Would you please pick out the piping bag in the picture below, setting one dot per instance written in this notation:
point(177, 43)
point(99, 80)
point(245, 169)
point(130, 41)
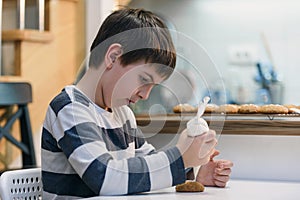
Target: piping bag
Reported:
point(198, 126)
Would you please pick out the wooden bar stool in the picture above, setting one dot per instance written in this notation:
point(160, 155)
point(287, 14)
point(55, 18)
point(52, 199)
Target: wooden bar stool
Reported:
point(17, 94)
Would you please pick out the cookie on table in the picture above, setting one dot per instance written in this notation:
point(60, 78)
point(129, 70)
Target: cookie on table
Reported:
point(274, 109)
point(184, 108)
point(228, 108)
point(190, 186)
point(248, 109)
point(211, 108)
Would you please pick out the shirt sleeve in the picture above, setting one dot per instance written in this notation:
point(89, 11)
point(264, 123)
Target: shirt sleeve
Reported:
point(142, 147)
point(141, 174)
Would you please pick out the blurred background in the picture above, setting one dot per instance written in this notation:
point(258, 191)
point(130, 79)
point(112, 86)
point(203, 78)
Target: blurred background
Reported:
point(253, 43)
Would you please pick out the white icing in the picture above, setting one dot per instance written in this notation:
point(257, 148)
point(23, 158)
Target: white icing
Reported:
point(197, 127)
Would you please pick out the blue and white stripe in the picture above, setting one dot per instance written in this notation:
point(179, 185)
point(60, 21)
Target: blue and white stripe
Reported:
point(87, 151)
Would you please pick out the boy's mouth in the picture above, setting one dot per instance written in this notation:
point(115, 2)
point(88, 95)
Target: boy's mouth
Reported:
point(132, 101)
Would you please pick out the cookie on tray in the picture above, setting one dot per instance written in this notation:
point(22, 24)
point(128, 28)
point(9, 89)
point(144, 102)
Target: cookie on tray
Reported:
point(291, 107)
point(228, 108)
point(248, 109)
point(184, 108)
point(211, 108)
point(190, 186)
point(274, 109)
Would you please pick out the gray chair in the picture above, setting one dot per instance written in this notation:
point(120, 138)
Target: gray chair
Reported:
point(20, 184)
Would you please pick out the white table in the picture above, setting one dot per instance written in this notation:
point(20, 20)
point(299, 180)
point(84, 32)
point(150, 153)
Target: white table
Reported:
point(236, 190)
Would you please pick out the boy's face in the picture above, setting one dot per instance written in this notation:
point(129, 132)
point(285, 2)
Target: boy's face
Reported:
point(124, 85)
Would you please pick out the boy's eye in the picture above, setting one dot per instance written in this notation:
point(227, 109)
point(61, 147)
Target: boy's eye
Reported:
point(144, 80)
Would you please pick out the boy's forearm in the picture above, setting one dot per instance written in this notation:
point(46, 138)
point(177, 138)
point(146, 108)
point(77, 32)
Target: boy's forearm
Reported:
point(142, 174)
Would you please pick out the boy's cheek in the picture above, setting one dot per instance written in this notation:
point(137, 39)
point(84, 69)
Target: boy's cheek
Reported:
point(126, 89)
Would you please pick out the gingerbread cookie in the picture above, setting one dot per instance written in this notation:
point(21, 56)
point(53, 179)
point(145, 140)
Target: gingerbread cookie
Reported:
point(248, 109)
point(228, 108)
point(184, 108)
point(274, 109)
point(211, 108)
point(291, 107)
point(190, 186)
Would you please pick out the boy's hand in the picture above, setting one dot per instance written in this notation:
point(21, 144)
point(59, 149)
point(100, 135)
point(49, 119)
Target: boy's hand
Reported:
point(197, 150)
point(215, 172)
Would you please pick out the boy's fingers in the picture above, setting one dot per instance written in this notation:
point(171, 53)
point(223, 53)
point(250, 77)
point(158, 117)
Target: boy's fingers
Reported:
point(207, 149)
point(211, 135)
point(225, 172)
point(221, 178)
point(220, 183)
point(206, 157)
point(224, 164)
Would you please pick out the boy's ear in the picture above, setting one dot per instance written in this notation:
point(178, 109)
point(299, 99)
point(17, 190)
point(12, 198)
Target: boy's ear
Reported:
point(114, 51)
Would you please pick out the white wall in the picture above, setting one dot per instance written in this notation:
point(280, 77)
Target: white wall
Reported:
point(254, 157)
point(96, 12)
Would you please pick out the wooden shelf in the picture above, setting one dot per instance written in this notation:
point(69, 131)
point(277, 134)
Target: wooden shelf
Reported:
point(233, 125)
point(27, 35)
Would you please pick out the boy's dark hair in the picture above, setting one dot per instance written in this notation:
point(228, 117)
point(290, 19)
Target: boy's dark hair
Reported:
point(142, 35)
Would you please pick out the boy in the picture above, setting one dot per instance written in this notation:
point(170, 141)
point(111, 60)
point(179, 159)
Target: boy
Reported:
point(90, 142)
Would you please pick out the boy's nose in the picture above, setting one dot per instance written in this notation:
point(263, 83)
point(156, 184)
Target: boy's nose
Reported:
point(144, 91)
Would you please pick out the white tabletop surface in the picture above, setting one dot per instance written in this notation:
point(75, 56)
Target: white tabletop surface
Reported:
point(235, 190)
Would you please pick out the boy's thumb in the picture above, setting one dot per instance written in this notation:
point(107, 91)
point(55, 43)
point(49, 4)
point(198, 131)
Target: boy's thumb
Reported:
point(216, 153)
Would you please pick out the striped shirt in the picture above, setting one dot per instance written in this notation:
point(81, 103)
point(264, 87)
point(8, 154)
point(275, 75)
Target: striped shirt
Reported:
point(88, 151)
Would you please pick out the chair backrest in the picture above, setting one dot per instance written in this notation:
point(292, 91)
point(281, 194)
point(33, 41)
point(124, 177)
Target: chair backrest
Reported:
point(20, 184)
point(15, 93)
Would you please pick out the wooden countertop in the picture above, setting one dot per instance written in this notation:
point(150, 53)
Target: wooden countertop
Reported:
point(251, 124)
